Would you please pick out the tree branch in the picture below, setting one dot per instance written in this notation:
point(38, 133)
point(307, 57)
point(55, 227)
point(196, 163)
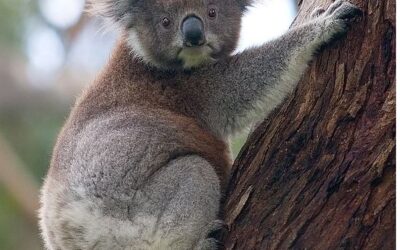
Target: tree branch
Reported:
point(319, 172)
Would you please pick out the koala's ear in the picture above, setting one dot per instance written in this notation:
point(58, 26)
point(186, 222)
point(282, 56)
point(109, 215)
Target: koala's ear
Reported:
point(114, 10)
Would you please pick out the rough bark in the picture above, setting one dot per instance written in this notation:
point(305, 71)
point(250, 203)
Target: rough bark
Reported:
point(319, 173)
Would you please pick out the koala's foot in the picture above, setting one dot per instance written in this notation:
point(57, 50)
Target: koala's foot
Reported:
point(207, 244)
point(336, 19)
point(217, 228)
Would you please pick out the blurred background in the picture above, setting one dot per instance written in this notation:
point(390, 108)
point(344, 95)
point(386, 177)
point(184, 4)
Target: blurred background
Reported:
point(49, 51)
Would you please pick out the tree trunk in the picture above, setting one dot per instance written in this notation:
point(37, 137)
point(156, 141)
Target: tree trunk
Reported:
point(319, 173)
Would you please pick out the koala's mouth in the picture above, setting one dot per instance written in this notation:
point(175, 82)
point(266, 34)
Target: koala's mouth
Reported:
point(192, 57)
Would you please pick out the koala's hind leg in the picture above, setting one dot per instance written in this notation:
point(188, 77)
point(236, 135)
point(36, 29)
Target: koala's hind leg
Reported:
point(191, 191)
point(176, 209)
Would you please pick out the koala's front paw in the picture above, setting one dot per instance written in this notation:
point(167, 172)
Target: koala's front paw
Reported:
point(337, 18)
point(317, 12)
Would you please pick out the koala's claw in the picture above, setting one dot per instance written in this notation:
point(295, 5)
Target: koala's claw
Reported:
point(347, 11)
point(334, 6)
point(343, 10)
point(339, 10)
point(317, 12)
point(337, 19)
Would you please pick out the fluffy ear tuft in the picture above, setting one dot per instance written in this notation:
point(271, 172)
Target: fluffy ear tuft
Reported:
point(114, 10)
point(245, 3)
point(101, 8)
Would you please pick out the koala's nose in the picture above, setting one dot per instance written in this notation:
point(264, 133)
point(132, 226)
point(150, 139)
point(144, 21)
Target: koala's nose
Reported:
point(193, 31)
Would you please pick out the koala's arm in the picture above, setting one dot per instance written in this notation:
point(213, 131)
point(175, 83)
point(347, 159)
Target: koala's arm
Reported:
point(259, 79)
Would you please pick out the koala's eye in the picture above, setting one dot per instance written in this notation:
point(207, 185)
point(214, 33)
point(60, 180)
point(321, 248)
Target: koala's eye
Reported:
point(212, 13)
point(166, 22)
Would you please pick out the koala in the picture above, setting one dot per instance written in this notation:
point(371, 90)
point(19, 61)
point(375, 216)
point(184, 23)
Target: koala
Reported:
point(143, 159)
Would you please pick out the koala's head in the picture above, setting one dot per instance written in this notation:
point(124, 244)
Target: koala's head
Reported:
point(176, 33)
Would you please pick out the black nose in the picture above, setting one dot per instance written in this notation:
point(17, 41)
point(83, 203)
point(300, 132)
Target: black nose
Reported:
point(193, 31)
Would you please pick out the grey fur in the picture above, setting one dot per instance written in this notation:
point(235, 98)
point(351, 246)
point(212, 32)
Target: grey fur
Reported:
point(142, 162)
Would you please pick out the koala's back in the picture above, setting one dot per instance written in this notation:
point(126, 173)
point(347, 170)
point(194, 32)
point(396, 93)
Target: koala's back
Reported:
point(128, 179)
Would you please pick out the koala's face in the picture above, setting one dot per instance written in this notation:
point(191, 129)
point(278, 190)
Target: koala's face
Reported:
point(177, 33)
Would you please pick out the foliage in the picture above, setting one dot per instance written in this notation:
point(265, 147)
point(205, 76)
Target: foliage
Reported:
point(32, 135)
point(12, 16)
